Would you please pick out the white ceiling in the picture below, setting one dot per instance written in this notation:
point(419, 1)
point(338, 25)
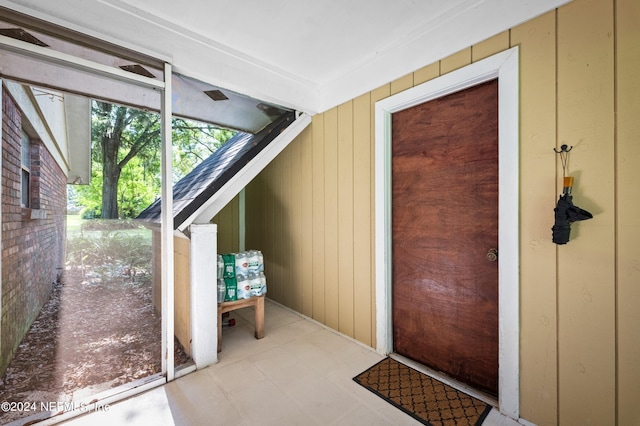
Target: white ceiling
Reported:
point(302, 54)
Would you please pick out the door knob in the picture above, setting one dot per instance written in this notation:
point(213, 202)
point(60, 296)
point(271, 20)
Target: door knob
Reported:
point(492, 255)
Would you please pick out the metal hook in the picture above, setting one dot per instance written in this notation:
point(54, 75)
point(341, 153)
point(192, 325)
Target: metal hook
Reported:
point(563, 148)
point(564, 157)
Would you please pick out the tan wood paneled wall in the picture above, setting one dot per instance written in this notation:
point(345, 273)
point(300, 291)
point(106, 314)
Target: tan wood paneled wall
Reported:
point(182, 287)
point(228, 227)
point(586, 269)
point(627, 201)
point(538, 182)
point(311, 212)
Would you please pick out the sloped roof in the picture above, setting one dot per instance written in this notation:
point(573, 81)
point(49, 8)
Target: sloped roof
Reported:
point(196, 188)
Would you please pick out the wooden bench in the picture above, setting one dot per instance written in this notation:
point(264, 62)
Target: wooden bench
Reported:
point(257, 302)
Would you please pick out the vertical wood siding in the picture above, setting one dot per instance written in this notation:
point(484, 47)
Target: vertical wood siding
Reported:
point(311, 212)
point(627, 202)
point(182, 288)
point(228, 227)
point(538, 181)
point(363, 288)
point(586, 266)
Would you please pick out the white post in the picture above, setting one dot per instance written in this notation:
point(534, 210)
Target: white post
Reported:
point(168, 297)
point(204, 294)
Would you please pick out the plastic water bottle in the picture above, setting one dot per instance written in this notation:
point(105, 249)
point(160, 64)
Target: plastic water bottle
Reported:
point(241, 264)
point(229, 323)
point(263, 284)
point(222, 289)
point(260, 262)
point(253, 261)
point(220, 266)
point(243, 289)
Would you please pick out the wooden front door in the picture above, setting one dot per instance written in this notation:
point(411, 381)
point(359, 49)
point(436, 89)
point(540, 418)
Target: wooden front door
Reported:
point(444, 226)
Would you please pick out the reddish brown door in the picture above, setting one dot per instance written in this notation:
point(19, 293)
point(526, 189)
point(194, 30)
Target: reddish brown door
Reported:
point(444, 223)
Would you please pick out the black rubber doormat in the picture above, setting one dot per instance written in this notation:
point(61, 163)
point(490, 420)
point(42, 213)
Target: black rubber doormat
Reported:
point(426, 399)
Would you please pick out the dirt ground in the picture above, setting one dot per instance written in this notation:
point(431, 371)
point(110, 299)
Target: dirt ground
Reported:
point(92, 335)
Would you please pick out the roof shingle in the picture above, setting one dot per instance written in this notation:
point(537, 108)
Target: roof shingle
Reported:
point(202, 183)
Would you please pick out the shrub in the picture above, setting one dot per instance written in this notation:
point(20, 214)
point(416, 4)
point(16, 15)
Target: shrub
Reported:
point(110, 253)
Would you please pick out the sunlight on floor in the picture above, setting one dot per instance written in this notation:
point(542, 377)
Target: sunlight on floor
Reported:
point(300, 373)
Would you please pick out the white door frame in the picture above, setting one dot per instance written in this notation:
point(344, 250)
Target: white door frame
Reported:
point(505, 67)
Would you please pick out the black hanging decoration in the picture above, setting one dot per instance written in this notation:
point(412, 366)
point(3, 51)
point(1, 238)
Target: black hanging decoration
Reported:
point(566, 212)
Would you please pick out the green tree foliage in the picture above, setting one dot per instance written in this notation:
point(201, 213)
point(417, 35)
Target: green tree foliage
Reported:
point(120, 134)
point(125, 171)
point(193, 142)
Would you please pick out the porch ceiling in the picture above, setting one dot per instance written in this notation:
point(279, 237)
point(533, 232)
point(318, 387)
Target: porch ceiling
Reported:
point(305, 55)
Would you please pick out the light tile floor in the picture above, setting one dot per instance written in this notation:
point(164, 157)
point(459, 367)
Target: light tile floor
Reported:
point(300, 373)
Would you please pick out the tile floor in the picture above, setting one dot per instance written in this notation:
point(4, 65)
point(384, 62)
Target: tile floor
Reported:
point(300, 373)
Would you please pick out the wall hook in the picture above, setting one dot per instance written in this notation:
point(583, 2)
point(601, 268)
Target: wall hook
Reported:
point(563, 148)
point(564, 158)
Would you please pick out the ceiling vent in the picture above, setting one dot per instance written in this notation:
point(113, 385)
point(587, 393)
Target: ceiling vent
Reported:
point(20, 34)
point(138, 69)
point(270, 110)
point(216, 95)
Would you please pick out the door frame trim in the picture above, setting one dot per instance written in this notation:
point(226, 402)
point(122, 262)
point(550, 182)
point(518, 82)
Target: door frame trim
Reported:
point(505, 67)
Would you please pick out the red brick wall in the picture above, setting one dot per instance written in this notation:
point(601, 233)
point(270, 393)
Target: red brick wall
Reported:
point(32, 249)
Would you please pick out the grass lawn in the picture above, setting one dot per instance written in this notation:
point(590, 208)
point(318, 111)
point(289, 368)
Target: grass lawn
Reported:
point(74, 222)
point(75, 228)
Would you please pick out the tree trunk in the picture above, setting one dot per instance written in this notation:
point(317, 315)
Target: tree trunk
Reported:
point(110, 177)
